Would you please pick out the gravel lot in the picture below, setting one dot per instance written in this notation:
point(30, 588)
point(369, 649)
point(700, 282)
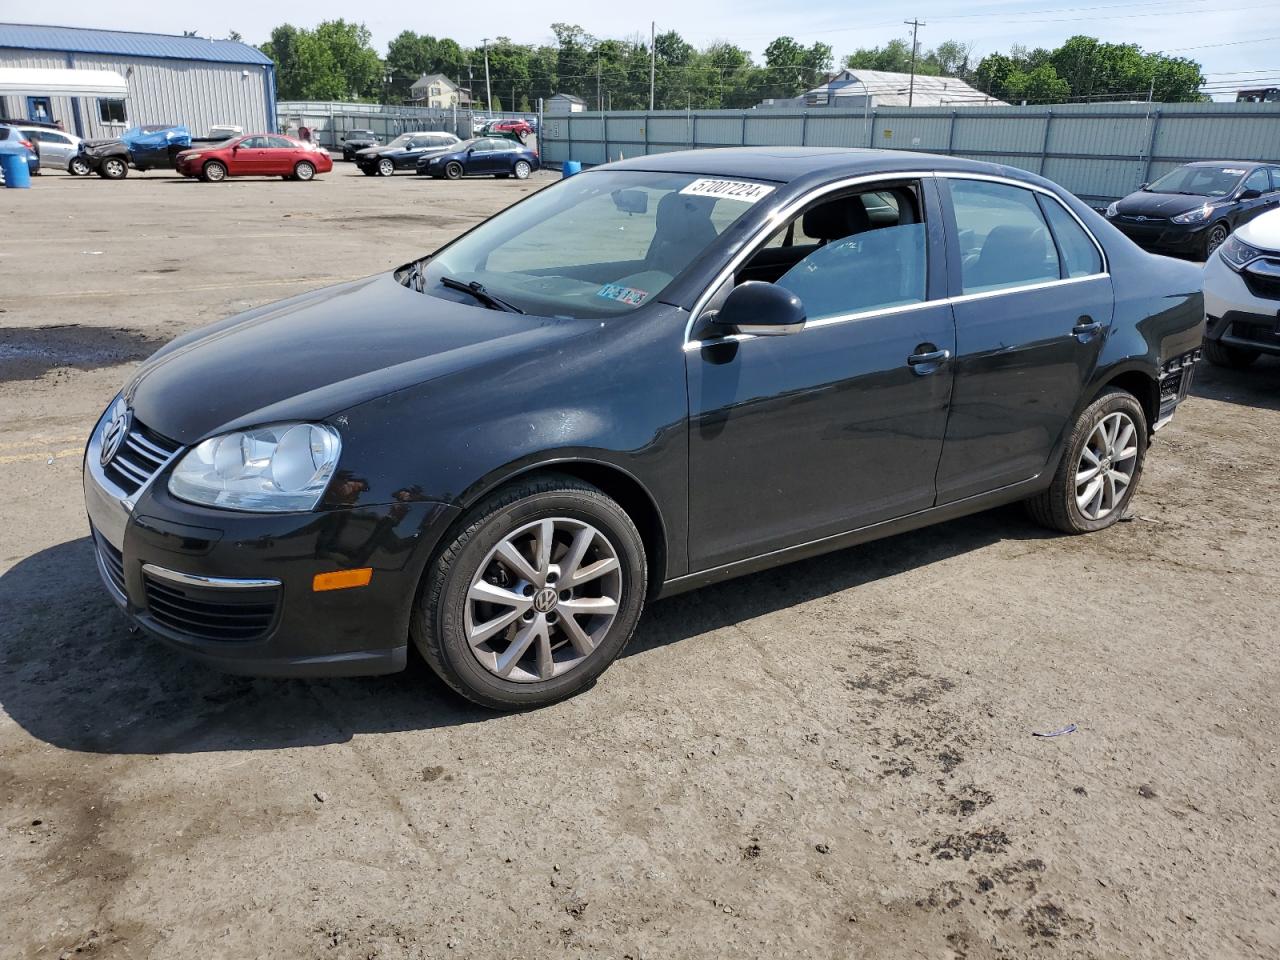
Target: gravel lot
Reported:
point(833, 759)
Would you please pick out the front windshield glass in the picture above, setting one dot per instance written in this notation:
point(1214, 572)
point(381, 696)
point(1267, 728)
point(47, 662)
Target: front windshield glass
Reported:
point(594, 245)
point(1199, 181)
point(401, 141)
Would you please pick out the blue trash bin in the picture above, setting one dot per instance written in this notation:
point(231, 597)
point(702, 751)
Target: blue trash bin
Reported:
point(569, 168)
point(16, 172)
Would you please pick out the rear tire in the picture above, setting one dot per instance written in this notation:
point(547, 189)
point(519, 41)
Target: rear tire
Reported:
point(553, 661)
point(1233, 358)
point(304, 171)
point(1091, 457)
point(522, 170)
point(453, 170)
point(213, 172)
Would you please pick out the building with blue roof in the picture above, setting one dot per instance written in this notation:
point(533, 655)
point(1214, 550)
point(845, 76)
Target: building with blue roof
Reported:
point(196, 81)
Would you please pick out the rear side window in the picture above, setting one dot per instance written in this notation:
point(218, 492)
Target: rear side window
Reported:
point(1080, 258)
point(281, 143)
point(1004, 240)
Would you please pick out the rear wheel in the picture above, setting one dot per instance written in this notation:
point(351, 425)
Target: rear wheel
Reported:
point(304, 170)
point(113, 168)
point(536, 595)
point(1100, 468)
point(1235, 358)
point(214, 172)
point(386, 168)
point(79, 167)
point(522, 170)
point(453, 170)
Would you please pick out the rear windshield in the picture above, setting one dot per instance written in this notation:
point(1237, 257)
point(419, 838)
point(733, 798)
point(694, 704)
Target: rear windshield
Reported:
point(1200, 181)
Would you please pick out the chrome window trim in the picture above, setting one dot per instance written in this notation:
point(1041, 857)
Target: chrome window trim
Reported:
point(780, 216)
point(195, 580)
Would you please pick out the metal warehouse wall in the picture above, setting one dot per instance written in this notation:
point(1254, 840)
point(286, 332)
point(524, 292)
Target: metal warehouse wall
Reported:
point(196, 93)
point(1097, 151)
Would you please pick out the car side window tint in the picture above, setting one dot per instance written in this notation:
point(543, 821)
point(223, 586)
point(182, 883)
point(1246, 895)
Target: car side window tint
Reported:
point(253, 143)
point(863, 252)
point(1080, 258)
point(280, 143)
point(1275, 177)
point(1258, 180)
point(1004, 240)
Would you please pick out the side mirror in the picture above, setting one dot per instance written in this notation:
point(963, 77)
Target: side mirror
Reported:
point(761, 309)
point(1250, 194)
point(1144, 184)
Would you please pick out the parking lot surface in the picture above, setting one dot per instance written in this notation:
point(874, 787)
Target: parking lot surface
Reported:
point(833, 759)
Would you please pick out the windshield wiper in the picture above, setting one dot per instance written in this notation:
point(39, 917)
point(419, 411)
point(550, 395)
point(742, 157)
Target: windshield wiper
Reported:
point(477, 290)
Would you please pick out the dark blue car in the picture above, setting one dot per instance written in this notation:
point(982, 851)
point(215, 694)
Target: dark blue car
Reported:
point(482, 157)
point(15, 142)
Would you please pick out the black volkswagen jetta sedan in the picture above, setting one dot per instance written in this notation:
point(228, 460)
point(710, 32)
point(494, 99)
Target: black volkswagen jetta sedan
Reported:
point(1193, 209)
point(654, 375)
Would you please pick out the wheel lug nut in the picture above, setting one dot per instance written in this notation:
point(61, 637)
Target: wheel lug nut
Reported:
point(566, 594)
point(529, 590)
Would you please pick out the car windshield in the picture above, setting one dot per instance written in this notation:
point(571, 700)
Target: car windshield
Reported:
point(401, 141)
point(1199, 181)
point(599, 244)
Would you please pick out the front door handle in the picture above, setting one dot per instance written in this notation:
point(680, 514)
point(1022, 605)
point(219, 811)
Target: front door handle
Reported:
point(926, 362)
point(1085, 329)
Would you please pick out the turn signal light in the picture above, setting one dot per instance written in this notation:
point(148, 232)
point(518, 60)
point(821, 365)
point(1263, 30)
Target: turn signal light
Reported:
point(342, 579)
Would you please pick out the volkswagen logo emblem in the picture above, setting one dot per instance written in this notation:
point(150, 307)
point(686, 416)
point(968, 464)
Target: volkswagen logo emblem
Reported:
point(544, 601)
point(114, 433)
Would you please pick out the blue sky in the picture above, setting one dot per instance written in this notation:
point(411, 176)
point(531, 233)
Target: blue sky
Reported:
point(1236, 40)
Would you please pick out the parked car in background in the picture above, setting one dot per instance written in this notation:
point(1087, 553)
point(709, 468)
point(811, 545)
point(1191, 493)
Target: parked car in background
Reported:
point(478, 123)
point(354, 141)
point(56, 148)
point(652, 376)
point(256, 155)
point(1242, 295)
point(151, 147)
point(482, 157)
point(1193, 209)
point(14, 136)
point(404, 152)
point(522, 129)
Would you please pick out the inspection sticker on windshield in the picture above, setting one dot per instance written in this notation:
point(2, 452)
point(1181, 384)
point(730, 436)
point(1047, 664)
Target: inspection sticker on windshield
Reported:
point(728, 190)
point(628, 295)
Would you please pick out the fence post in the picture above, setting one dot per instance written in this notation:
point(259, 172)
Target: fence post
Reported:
point(1151, 146)
point(875, 114)
point(951, 135)
point(645, 130)
point(742, 138)
point(804, 128)
point(604, 122)
point(1044, 146)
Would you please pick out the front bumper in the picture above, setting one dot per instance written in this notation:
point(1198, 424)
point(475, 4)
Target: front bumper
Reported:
point(1164, 235)
point(235, 590)
point(1237, 316)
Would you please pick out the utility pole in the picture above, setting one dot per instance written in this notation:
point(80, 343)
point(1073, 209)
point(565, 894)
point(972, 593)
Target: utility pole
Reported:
point(653, 57)
point(488, 90)
point(915, 26)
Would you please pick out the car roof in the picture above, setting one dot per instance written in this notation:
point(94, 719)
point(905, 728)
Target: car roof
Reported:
point(786, 164)
point(1227, 163)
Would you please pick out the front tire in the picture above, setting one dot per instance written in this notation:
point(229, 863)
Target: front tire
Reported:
point(214, 172)
point(113, 168)
point(538, 592)
point(1100, 468)
point(453, 170)
point(79, 167)
point(1215, 238)
point(304, 171)
point(386, 168)
point(1233, 358)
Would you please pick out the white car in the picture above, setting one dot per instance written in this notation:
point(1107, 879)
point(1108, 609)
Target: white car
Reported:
point(1242, 294)
point(57, 148)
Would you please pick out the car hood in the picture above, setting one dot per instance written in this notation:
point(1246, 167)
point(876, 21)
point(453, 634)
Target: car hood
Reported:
point(1262, 232)
point(1147, 204)
point(319, 353)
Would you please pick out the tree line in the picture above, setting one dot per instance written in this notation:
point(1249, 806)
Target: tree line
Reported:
point(336, 61)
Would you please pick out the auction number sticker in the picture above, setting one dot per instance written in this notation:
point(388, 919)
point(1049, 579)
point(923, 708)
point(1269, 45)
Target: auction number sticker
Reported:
point(628, 295)
point(728, 190)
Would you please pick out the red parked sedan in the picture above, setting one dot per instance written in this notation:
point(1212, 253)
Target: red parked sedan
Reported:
point(255, 155)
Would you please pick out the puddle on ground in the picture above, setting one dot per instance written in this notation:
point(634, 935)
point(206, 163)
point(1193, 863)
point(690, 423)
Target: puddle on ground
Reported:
point(28, 353)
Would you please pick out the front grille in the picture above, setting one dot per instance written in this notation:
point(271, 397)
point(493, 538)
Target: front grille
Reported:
point(1144, 222)
point(139, 458)
point(211, 613)
point(112, 563)
point(1255, 332)
point(1268, 288)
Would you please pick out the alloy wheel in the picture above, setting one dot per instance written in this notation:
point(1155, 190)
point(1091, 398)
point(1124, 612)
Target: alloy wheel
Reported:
point(543, 600)
point(1107, 463)
point(522, 170)
point(1217, 236)
point(386, 168)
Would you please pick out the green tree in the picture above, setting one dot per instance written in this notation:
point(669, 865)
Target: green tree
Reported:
point(1041, 85)
point(332, 62)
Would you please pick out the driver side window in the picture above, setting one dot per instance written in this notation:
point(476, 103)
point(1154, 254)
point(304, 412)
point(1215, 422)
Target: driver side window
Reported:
point(1258, 180)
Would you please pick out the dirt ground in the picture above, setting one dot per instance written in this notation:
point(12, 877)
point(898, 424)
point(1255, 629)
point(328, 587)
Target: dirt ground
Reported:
point(831, 760)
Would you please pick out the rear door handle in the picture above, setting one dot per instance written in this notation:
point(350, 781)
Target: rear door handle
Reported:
point(927, 362)
point(1085, 330)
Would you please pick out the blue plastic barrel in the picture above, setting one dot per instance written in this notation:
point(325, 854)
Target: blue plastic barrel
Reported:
point(569, 168)
point(16, 172)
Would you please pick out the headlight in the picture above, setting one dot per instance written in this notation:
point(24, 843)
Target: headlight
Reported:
point(281, 468)
point(1237, 253)
point(192, 156)
point(1113, 208)
point(1198, 215)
